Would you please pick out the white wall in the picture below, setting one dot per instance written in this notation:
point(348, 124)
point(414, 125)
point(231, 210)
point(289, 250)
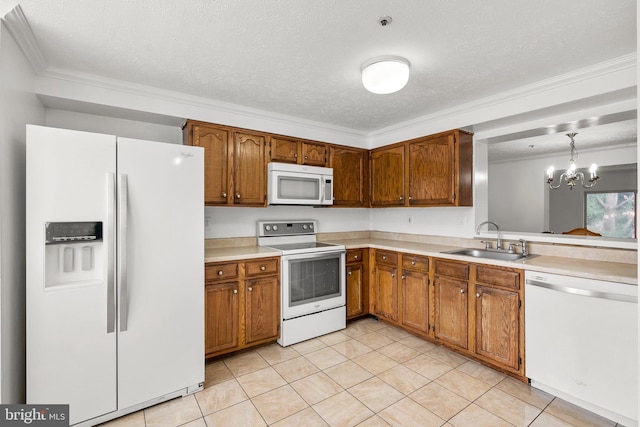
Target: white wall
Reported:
point(18, 106)
point(113, 126)
point(241, 222)
point(517, 188)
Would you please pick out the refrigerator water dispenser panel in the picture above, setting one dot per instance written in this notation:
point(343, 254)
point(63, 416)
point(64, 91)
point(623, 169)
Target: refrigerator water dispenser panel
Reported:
point(73, 253)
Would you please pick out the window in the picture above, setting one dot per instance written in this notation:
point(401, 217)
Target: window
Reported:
point(612, 214)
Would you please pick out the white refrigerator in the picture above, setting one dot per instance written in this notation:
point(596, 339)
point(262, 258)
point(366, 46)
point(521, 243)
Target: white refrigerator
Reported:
point(115, 272)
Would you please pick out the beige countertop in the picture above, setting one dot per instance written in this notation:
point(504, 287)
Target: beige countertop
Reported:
point(600, 270)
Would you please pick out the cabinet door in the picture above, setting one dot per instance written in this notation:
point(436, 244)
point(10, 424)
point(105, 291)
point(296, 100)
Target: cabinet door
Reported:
point(415, 300)
point(355, 290)
point(387, 177)
point(284, 150)
point(262, 309)
point(349, 176)
point(386, 292)
point(451, 311)
point(249, 170)
point(221, 317)
point(314, 154)
point(215, 142)
point(497, 325)
point(432, 171)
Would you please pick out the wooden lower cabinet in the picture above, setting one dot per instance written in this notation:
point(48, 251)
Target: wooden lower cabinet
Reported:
point(242, 304)
point(497, 331)
point(451, 311)
point(386, 292)
point(474, 309)
point(222, 317)
point(262, 309)
point(415, 304)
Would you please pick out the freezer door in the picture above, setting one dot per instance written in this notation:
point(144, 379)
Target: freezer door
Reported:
point(71, 338)
point(161, 269)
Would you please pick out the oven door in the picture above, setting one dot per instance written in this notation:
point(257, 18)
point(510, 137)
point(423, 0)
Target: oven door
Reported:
point(312, 282)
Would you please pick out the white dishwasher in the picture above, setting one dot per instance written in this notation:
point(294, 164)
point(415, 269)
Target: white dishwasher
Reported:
point(581, 342)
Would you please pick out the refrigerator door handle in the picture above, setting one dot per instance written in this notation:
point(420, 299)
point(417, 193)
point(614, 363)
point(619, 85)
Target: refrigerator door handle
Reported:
point(122, 251)
point(111, 288)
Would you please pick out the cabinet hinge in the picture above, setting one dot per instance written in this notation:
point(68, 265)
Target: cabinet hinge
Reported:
point(519, 361)
point(519, 303)
point(454, 139)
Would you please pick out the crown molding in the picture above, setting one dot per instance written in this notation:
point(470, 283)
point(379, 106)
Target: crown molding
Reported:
point(20, 30)
point(596, 71)
point(198, 102)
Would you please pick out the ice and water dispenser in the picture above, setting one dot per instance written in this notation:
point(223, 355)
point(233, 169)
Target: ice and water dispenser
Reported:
point(73, 253)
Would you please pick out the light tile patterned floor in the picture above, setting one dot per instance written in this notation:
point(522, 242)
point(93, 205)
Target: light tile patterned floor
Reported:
point(370, 374)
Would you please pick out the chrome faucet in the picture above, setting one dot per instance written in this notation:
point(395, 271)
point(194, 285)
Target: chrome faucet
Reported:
point(499, 240)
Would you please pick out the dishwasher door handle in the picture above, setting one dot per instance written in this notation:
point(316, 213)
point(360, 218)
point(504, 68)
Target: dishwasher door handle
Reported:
point(583, 292)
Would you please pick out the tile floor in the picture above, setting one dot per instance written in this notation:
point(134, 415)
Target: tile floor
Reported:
point(370, 374)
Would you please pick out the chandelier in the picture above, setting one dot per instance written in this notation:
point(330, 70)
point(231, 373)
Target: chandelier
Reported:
point(571, 176)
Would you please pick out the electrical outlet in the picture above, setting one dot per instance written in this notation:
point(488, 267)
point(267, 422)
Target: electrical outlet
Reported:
point(207, 222)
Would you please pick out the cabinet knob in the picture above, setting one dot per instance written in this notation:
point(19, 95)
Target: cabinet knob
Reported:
point(263, 268)
point(403, 277)
point(401, 198)
point(384, 257)
point(249, 288)
point(306, 157)
point(410, 198)
point(220, 273)
point(413, 263)
point(235, 291)
point(224, 195)
point(237, 196)
point(393, 275)
point(478, 294)
point(349, 272)
point(462, 291)
point(355, 257)
point(295, 155)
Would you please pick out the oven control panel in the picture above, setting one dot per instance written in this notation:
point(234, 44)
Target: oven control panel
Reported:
point(286, 228)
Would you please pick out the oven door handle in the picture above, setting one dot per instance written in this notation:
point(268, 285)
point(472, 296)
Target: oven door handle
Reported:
point(313, 255)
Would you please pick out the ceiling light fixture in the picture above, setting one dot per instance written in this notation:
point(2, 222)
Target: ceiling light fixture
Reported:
point(571, 176)
point(384, 75)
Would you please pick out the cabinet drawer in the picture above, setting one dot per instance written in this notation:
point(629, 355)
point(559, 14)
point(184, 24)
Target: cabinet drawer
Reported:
point(498, 276)
point(354, 255)
point(221, 271)
point(452, 269)
point(386, 257)
point(415, 262)
point(262, 267)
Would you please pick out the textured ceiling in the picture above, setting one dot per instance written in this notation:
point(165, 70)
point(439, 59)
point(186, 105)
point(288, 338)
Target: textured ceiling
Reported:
point(302, 58)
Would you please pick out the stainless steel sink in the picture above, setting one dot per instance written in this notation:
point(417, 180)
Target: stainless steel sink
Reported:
point(483, 253)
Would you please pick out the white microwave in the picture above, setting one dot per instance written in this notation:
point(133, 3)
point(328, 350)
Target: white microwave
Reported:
point(289, 184)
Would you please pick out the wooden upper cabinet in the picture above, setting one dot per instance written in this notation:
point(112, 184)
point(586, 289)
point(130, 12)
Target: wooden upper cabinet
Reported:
point(291, 150)
point(234, 162)
point(314, 154)
point(215, 141)
point(350, 176)
point(249, 169)
point(387, 176)
point(431, 171)
point(440, 170)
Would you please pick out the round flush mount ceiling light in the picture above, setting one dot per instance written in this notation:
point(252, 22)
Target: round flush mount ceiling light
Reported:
point(384, 75)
